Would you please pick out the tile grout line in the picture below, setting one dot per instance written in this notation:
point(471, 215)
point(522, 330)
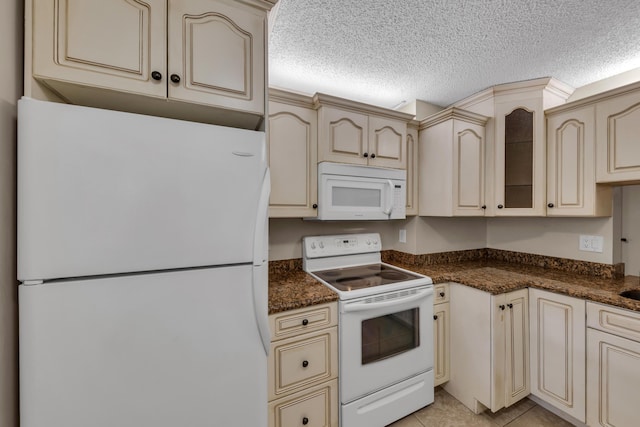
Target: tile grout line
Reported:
point(522, 414)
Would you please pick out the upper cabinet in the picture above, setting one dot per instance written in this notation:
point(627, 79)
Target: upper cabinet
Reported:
point(571, 164)
point(292, 149)
point(207, 54)
point(412, 168)
point(618, 136)
point(520, 142)
point(351, 132)
point(452, 164)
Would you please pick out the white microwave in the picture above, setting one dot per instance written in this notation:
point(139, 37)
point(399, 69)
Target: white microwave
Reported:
point(351, 192)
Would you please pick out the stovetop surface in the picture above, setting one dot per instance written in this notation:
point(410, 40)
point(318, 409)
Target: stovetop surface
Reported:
point(364, 276)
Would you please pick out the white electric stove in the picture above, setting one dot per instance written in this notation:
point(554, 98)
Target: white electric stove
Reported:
point(385, 328)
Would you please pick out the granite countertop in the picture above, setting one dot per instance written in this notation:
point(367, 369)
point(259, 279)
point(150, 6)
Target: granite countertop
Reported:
point(290, 287)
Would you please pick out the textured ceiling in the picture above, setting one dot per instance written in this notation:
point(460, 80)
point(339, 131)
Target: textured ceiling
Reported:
point(384, 52)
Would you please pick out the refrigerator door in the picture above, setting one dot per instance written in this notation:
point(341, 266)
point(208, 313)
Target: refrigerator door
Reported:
point(164, 349)
point(102, 192)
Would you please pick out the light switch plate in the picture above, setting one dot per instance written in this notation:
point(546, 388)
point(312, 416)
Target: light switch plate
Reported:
point(591, 243)
point(402, 238)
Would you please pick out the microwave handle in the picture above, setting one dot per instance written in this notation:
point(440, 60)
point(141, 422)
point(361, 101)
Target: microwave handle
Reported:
point(389, 207)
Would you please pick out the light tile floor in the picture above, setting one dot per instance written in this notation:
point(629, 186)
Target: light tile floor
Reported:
point(448, 412)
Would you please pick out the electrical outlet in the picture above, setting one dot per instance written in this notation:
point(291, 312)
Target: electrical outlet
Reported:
point(591, 243)
point(402, 238)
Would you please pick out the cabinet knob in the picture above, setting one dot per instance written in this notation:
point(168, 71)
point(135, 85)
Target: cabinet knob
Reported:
point(315, 206)
point(500, 206)
point(305, 363)
point(442, 294)
point(175, 78)
point(510, 305)
point(502, 307)
point(305, 322)
point(373, 155)
point(156, 75)
point(550, 205)
point(484, 206)
point(365, 154)
point(435, 317)
point(305, 421)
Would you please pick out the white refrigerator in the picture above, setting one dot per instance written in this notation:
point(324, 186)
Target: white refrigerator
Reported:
point(142, 261)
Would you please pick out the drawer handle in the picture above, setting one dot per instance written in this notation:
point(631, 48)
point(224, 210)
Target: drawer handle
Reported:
point(305, 322)
point(442, 294)
point(305, 421)
point(435, 317)
point(305, 363)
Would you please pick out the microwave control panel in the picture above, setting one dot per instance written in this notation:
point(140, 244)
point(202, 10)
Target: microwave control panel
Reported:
point(325, 246)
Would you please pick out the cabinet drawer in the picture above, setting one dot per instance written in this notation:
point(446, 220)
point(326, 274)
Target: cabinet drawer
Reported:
point(301, 361)
point(303, 320)
point(319, 405)
point(624, 323)
point(440, 293)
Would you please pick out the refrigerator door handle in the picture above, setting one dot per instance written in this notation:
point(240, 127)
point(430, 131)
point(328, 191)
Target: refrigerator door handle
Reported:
point(260, 264)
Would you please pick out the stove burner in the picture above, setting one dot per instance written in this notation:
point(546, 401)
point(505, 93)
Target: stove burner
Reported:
point(364, 276)
point(393, 275)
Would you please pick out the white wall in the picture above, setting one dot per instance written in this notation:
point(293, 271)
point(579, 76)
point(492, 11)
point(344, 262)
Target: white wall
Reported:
point(557, 237)
point(10, 89)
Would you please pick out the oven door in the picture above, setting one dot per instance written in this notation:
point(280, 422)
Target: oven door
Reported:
point(355, 198)
point(384, 339)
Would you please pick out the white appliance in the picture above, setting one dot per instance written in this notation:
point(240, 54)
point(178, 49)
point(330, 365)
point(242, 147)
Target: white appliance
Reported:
point(385, 328)
point(352, 192)
point(142, 252)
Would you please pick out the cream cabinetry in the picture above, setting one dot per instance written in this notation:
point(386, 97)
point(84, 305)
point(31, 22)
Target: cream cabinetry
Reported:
point(350, 132)
point(452, 164)
point(412, 168)
point(618, 136)
point(571, 164)
point(441, 334)
point(303, 367)
point(613, 366)
point(558, 347)
point(292, 149)
point(489, 347)
point(200, 52)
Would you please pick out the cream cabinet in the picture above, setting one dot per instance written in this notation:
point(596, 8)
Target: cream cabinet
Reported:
point(571, 164)
point(489, 353)
point(441, 333)
point(618, 137)
point(303, 367)
point(452, 164)
point(613, 366)
point(200, 52)
point(412, 168)
point(557, 328)
point(292, 149)
point(351, 132)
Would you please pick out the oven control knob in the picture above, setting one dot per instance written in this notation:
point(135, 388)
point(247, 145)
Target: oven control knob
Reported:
point(321, 245)
point(313, 245)
point(368, 242)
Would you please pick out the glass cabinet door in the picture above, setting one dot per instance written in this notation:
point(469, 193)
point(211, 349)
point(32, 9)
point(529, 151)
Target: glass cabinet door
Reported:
point(518, 159)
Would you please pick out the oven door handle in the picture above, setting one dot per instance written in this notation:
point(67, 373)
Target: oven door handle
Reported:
point(362, 306)
point(389, 207)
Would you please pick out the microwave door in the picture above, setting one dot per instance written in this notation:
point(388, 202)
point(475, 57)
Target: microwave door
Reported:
point(350, 198)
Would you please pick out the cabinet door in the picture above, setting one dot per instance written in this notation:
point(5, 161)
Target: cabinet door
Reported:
point(292, 159)
point(520, 158)
point(387, 145)
point(468, 169)
point(441, 343)
point(516, 377)
point(109, 44)
point(571, 181)
point(216, 54)
point(618, 140)
point(557, 351)
point(613, 380)
point(412, 171)
point(342, 136)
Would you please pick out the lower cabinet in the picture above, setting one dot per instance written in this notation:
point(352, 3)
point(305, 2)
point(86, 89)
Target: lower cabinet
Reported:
point(557, 330)
point(489, 353)
point(613, 366)
point(441, 322)
point(303, 367)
